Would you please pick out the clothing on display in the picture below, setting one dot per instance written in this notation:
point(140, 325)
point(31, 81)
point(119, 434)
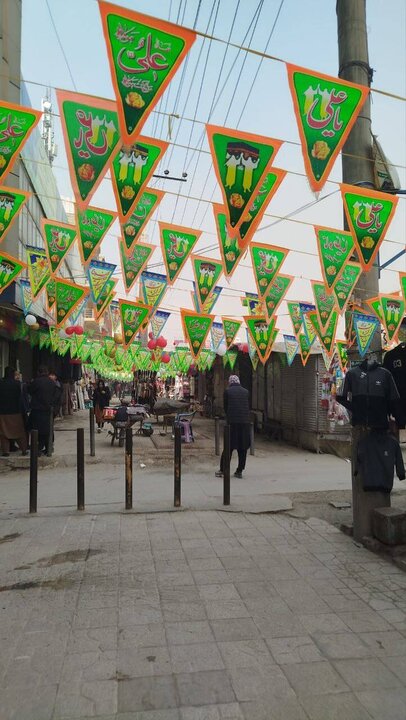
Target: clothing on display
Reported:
point(377, 455)
point(395, 362)
point(370, 393)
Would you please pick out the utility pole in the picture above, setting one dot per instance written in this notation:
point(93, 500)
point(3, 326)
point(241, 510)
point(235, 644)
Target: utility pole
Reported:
point(358, 169)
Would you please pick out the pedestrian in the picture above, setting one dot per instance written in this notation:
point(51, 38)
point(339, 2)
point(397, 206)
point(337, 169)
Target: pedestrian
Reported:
point(44, 395)
point(101, 398)
point(11, 416)
point(237, 409)
point(58, 395)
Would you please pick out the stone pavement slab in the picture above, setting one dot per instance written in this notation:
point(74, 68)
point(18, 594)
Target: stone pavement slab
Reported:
point(199, 615)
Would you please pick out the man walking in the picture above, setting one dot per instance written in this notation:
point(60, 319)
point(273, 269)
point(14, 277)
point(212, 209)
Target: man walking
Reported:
point(44, 395)
point(237, 409)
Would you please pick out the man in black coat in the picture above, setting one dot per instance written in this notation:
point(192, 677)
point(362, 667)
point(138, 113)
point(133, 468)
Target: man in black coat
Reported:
point(237, 409)
point(45, 396)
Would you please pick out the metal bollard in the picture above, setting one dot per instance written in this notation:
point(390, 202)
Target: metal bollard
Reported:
point(128, 469)
point(80, 447)
point(177, 465)
point(252, 439)
point(33, 470)
point(92, 432)
point(50, 443)
point(217, 435)
point(226, 465)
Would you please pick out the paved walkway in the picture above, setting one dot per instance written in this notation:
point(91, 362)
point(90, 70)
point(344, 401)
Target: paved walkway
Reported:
point(196, 616)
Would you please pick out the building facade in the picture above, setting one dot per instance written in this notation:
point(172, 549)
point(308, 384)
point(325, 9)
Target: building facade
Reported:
point(33, 172)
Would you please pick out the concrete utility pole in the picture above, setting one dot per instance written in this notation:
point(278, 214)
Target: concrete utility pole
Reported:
point(358, 169)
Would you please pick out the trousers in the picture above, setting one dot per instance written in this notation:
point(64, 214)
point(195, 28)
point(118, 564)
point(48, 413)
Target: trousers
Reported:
point(242, 459)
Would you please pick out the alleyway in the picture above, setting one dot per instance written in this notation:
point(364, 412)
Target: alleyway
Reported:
point(197, 614)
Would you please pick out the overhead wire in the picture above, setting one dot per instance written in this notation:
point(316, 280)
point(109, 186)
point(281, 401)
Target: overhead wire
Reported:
point(60, 45)
point(251, 87)
point(263, 56)
point(160, 103)
point(215, 101)
point(200, 89)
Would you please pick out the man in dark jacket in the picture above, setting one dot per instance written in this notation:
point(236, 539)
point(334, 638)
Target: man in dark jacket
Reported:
point(11, 418)
point(237, 409)
point(44, 395)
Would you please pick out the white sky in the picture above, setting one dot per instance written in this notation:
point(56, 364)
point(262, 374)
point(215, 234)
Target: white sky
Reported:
point(304, 34)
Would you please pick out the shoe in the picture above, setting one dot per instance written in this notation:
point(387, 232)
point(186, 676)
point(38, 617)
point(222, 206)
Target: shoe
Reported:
point(24, 453)
point(5, 454)
point(238, 474)
point(219, 473)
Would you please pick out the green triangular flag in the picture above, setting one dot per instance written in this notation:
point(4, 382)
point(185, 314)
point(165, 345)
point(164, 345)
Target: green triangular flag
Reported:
point(196, 327)
point(132, 266)
point(130, 171)
point(10, 268)
point(134, 225)
point(335, 248)
point(231, 328)
point(206, 272)
point(346, 284)
point(230, 251)
point(144, 53)
point(241, 162)
point(11, 202)
point(369, 214)
point(93, 225)
point(326, 109)
point(68, 295)
point(176, 244)
point(38, 269)
point(279, 287)
point(90, 130)
point(133, 315)
point(58, 239)
point(16, 123)
point(266, 262)
point(325, 303)
point(325, 335)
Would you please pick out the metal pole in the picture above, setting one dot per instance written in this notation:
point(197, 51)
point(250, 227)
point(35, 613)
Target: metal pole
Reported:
point(358, 169)
point(80, 447)
point(226, 465)
point(50, 444)
point(33, 470)
point(177, 465)
point(217, 435)
point(128, 469)
point(252, 439)
point(92, 432)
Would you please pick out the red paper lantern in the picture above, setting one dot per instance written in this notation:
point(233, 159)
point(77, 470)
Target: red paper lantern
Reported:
point(161, 342)
point(79, 330)
point(151, 335)
point(166, 358)
point(244, 347)
point(151, 344)
point(70, 330)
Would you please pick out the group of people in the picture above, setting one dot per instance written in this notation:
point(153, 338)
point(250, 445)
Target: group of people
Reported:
point(26, 407)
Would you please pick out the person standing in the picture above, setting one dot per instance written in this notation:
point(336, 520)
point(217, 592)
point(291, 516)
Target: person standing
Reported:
point(101, 398)
point(58, 395)
point(44, 395)
point(237, 409)
point(11, 417)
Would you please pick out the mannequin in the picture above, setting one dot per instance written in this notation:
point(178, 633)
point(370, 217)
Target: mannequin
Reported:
point(370, 393)
point(395, 362)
